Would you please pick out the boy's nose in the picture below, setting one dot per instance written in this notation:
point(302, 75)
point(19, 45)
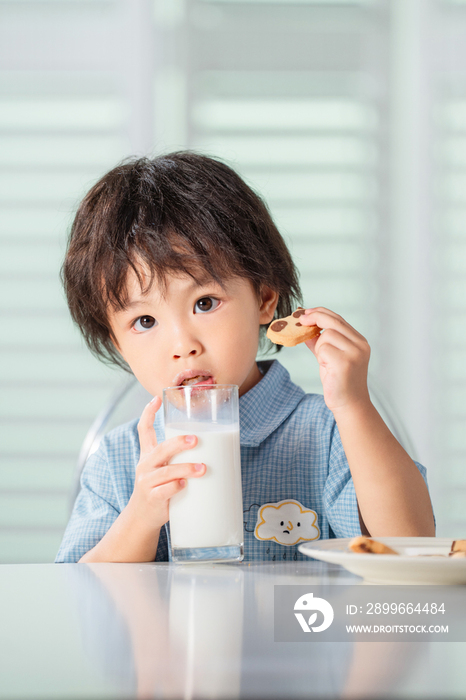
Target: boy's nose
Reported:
point(186, 347)
point(185, 354)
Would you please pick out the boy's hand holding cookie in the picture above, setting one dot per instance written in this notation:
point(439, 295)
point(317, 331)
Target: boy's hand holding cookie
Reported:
point(343, 356)
point(342, 353)
point(156, 480)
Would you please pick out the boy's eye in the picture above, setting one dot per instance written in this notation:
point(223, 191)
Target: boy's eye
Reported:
point(206, 304)
point(144, 323)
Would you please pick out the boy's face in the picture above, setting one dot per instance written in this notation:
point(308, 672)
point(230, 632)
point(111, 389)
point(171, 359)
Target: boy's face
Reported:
point(192, 333)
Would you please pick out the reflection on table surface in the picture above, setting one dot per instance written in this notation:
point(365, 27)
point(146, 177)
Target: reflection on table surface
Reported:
point(193, 631)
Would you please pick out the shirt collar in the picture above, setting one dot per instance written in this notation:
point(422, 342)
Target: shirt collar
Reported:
point(264, 407)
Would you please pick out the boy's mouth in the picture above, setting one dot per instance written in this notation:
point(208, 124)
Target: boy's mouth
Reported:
point(192, 377)
point(197, 380)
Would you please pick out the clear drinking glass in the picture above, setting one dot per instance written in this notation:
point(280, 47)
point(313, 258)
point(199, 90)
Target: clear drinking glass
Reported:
point(206, 517)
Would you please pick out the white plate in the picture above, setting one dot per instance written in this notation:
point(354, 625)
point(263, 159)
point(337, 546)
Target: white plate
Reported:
point(416, 561)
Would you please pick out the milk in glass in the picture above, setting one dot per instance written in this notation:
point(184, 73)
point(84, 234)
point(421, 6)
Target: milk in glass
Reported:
point(208, 511)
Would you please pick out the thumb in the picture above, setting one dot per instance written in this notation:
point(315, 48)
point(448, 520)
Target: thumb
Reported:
point(146, 431)
point(311, 344)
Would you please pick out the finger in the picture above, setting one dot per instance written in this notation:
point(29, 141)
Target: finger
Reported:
point(322, 309)
point(311, 344)
point(334, 338)
point(168, 449)
point(324, 318)
point(338, 340)
point(166, 491)
point(327, 317)
point(328, 354)
point(146, 431)
point(172, 472)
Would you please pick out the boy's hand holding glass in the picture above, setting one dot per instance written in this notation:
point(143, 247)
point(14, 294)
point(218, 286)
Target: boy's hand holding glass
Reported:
point(156, 480)
point(343, 357)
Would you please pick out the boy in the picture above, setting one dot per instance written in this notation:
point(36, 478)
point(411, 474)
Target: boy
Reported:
point(174, 269)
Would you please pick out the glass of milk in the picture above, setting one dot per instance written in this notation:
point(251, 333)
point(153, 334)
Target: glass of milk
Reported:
point(206, 517)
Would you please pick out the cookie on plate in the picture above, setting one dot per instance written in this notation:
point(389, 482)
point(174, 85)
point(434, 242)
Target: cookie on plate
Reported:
point(289, 331)
point(364, 545)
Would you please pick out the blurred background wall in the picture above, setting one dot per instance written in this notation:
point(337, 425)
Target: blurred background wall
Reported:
point(349, 117)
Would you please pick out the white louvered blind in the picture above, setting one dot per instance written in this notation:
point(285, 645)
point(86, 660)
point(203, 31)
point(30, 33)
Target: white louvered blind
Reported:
point(289, 97)
point(449, 262)
point(67, 103)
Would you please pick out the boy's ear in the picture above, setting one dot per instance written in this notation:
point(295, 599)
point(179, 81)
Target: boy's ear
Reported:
point(268, 304)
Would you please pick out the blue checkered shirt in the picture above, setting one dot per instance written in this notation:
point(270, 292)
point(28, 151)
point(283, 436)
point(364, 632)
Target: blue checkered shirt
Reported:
point(290, 450)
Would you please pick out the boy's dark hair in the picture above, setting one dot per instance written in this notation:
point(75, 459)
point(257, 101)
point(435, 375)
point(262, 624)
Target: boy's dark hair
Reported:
point(181, 212)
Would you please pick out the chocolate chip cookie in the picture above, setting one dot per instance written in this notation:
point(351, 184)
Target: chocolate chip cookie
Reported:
point(289, 331)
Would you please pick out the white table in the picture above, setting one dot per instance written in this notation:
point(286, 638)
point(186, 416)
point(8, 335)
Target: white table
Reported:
point(200, 631)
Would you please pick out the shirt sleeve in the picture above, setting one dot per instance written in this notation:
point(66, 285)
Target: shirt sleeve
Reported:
point(95, 510)
point(340, 500)
point(103, 495)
